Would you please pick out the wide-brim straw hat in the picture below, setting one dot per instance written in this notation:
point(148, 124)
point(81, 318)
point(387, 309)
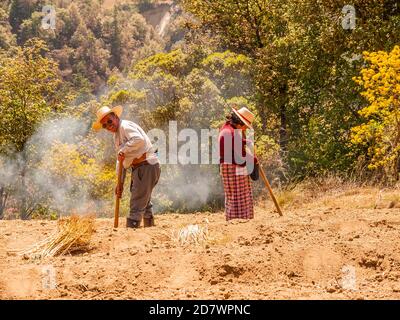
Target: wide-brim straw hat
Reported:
point(102, 112)
point(245, 115)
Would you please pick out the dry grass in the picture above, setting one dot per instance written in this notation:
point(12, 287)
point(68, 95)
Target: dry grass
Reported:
point(333, 191)
point(290, 197)
point(192, 234)
point(74, 234)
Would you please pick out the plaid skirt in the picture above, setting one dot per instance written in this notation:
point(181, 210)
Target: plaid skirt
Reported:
point(238, 193)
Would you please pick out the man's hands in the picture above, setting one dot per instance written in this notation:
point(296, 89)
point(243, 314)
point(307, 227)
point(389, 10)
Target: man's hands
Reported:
point(121, 157)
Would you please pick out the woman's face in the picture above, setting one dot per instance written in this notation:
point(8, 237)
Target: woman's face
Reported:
point(238, 123)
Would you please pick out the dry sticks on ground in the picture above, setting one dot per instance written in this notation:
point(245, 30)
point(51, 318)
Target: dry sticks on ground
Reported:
point(73, 234)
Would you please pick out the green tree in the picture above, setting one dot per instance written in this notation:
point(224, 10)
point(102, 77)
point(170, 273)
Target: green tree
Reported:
point(7, 39)
point(304, 61)
point(90, 57)
point(28, 87)
point(21, 10)
point(116, 49)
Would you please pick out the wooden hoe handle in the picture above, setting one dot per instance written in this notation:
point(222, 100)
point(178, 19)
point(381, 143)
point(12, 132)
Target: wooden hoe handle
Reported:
point(117, 198)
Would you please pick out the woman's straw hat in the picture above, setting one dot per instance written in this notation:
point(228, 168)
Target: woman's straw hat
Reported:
point(102, 112)
point(245, 115)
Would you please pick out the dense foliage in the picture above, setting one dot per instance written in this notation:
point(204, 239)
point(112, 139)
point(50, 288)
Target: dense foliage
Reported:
point(324, 89)
point(380, 132)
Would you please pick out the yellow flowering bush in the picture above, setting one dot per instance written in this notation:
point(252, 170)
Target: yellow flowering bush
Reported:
point(380, 133)
point(71, 162)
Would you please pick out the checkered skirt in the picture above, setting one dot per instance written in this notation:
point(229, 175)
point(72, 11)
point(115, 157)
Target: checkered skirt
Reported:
point(238, 193)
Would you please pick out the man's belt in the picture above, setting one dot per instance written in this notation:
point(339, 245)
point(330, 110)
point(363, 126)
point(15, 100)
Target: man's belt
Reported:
point(139, 161)
point(134, 166)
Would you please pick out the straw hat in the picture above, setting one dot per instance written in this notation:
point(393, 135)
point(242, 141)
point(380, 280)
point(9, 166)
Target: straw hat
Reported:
point(245, 115)
point(102, 112)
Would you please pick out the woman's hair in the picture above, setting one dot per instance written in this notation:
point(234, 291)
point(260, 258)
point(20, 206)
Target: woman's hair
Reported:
point(234, 119)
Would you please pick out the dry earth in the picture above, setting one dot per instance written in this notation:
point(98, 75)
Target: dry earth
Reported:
point(342, 245)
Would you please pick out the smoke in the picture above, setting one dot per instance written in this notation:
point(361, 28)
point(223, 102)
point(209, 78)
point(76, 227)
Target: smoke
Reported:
point(187, 188)
point(64, 130)
point(46, 185)
point(189, 179)
point(67, 193)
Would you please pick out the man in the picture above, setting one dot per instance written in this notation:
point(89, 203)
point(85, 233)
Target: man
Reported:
point(135, 151)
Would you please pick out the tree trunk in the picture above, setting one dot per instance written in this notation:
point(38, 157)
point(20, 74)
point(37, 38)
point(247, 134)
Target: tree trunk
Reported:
point(24, 214)
point(397, 168)
point(283, 138)
point(264, 120)
point(3, 201)
point(283, 129)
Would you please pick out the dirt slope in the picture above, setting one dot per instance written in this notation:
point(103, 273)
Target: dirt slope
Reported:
point(337, 246)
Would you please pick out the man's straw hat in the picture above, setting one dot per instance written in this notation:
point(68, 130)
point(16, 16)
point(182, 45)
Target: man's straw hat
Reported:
point(245, 115)
point(102, 112)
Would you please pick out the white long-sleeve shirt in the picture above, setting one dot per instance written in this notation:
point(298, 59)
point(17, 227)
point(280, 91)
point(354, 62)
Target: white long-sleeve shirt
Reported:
point(131, 139)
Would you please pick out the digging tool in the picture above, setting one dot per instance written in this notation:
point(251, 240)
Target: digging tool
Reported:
point(270, 191)
point(264, 177)
point(117, 197)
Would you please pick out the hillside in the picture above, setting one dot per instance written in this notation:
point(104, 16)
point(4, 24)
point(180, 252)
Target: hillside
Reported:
point(341, 245)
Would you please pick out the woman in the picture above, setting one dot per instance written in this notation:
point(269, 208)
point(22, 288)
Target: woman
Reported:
point(235, 165)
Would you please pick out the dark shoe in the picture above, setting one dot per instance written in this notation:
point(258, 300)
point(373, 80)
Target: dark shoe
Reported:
point(148, 222)
point(130, 223)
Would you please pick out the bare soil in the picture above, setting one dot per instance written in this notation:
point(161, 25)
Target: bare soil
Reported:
point(343, 245)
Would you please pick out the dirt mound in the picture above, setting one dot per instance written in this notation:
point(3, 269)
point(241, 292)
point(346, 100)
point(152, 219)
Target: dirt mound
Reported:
point(321, 250)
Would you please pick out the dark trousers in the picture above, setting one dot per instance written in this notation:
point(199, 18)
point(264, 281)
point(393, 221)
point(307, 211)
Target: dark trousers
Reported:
point(144, 179)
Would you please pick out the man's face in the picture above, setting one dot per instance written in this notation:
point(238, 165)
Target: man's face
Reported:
point(110, 122)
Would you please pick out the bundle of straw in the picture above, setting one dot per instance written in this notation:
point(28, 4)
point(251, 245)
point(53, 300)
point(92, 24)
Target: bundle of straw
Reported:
point(191, 234)
point(73, 234)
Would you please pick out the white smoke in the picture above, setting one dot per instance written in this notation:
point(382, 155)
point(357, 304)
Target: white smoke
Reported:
point(43, 187)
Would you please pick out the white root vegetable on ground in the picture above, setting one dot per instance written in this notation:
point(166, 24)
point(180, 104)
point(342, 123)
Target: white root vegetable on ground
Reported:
point(191, 234)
